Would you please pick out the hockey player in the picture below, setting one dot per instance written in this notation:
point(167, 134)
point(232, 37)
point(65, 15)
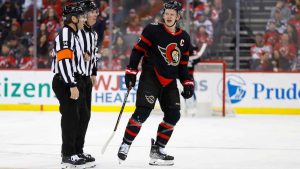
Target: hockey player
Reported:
point(88, 40)
point(165, 51)
point(68, 66)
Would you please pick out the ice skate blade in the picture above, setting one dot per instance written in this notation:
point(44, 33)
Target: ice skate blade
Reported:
point(159, 162)
point(120, 161)
point(70, 166)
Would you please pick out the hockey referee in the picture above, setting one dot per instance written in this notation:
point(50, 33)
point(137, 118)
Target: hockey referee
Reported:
point(68, 66)
point(88, 41)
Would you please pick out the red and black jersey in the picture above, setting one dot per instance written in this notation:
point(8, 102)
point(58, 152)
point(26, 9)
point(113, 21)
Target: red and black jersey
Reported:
point(166, 52)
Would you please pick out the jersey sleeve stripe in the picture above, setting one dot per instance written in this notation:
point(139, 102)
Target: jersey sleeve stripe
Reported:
point(65, 54)
point(148, 42)
point(137, 47)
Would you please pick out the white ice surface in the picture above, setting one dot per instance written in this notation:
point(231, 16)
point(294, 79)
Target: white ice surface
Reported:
point(32, 140)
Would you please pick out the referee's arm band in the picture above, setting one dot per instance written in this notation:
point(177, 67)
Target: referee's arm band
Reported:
point(64, 54)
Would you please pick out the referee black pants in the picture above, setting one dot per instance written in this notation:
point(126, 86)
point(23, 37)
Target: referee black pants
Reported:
point(75, 116)
point(84, 112)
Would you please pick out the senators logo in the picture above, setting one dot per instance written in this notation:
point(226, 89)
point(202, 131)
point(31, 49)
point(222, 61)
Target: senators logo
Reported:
point(171, 54)
point(150, 99)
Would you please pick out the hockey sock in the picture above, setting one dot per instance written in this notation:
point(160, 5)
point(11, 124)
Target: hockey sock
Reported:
point(164, 133)
point(132, 129)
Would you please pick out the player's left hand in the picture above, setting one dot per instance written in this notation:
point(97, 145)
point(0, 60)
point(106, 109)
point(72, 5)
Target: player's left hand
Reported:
point(130, 77)
point(188, 89)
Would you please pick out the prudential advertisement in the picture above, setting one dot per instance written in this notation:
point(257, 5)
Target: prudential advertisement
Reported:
point(273, 90)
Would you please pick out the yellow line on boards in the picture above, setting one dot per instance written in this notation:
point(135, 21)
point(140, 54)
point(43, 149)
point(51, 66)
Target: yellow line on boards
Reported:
point(271, 111)
point(55, 108)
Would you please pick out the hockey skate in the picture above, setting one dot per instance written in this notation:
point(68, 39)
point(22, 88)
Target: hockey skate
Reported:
point(123, 151)
point(159, 157)
point(90, 161)
point(72, 162)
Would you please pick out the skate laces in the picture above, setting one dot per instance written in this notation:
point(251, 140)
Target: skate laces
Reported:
point(162, 150)
point(124, 148)
point(75, 158)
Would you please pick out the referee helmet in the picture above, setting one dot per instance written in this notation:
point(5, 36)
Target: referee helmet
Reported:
point(72, 10)
point(88, 5)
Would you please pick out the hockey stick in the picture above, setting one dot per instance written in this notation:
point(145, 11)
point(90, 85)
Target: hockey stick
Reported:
point(117, 123)
point(200, 53)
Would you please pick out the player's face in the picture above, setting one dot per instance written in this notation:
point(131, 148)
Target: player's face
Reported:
point(81, 21)
point(92, 17)
point(170, 16)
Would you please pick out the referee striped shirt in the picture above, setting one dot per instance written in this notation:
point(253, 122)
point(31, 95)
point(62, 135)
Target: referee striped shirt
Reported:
point(68, 56)
point(88, 40)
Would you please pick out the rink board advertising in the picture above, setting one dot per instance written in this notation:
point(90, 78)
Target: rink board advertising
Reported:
point(249, 93)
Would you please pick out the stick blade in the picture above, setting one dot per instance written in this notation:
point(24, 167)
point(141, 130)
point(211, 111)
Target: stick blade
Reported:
point(107, 142)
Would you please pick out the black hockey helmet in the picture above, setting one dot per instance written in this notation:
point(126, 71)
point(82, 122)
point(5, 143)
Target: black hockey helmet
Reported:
point(173, 5)
point(88, 5)
point(73, 10)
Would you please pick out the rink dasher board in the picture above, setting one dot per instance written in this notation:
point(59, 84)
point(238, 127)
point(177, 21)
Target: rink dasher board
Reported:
point(250, 92)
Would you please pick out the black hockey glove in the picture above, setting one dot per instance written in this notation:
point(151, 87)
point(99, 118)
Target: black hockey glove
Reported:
point(130, 77)
point(188, 89)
